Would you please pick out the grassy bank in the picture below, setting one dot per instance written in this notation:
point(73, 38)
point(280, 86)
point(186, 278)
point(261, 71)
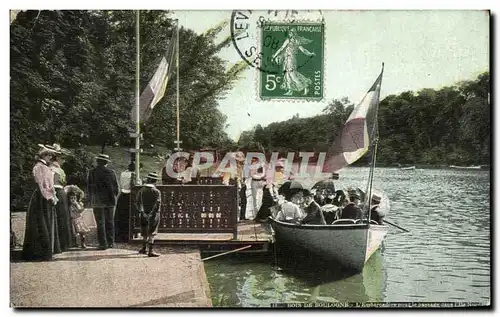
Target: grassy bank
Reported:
point(120, 157)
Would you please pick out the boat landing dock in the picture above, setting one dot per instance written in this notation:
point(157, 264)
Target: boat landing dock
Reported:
point(118, 277)
point(257, 235)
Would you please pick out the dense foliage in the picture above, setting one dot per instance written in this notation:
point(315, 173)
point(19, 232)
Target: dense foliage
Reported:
point(73, 81)
point(449, 126)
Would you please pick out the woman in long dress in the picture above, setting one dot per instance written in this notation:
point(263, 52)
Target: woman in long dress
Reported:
point(286, 55)
point(41, 239)
point(122, 215)
point(66, 237)
point(269, 197)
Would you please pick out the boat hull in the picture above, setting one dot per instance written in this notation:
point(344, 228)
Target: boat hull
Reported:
point(349, 245)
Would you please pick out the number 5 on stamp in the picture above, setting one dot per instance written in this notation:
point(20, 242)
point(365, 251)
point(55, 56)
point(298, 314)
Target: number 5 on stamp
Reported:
point(293, 61)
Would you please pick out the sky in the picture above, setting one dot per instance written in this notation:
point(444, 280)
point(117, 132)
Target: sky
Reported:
point(420, 49)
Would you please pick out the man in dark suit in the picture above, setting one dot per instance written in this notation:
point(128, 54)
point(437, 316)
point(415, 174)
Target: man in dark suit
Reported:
point(352, 209)
point(314, 215)
point(102, 191)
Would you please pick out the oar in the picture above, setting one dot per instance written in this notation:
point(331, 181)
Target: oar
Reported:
point(228, 252)
point(395, 225)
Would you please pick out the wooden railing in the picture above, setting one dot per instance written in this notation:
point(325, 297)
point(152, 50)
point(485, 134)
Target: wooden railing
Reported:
point(193, 209)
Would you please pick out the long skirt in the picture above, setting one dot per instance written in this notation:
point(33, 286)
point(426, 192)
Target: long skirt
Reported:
point(41, 238)
point(243, 201)
point(66, 238)
point(267, 203)
point(122, 218)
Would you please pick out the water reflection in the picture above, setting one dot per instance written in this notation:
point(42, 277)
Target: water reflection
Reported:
point(266, 283)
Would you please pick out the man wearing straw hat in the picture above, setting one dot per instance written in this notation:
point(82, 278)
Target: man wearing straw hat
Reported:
point(375, 214)
point(148, 203)
point(102, 189)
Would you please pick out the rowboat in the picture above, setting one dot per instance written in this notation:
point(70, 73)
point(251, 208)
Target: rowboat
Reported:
point(477, 167)
point(350, 245)
point(409, 168)
point(348, 242)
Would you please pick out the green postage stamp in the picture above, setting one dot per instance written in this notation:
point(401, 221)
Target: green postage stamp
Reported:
point(293, 67)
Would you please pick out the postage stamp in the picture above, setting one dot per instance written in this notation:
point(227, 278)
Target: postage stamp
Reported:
point(294, 61)
point(288, 50)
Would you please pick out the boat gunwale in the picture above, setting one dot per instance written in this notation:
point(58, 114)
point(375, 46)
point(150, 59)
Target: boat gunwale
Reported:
point(323, 227)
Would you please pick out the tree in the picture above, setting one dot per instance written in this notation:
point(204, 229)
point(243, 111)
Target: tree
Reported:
point(73, 77)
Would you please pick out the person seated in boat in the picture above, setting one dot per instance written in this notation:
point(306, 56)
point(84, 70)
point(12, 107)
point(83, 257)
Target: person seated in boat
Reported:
point(314, 215)
point(329, 210)
point(353, 196)
point(289, 211)
point(319, 197)
point(339, 197)
point(352, 209)
point(375, 214)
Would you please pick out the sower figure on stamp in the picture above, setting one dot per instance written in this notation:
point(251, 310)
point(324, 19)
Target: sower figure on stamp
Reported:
point(286, 55)
point(102, 189)
point(148, 202)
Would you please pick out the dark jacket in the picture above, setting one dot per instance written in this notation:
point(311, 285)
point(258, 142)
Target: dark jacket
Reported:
point(376, 216)
point(314, 215)
point(351, 211)
point(102, 187)
point(148, 200)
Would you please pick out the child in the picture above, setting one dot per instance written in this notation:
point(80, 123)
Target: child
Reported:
point(75, 210)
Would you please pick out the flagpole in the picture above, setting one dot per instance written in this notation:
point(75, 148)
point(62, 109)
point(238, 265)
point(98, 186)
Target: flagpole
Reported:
point(374, 157)
point(137, 98)
point(178, 147)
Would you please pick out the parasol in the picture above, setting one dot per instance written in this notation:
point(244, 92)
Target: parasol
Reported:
point(327, 184)
point(290, 188)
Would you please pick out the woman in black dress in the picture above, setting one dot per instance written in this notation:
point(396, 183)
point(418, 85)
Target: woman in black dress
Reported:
point(122, 215)
point(66, 236)
point(269, 197)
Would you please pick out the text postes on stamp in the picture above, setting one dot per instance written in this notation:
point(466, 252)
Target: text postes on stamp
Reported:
point(293, 57)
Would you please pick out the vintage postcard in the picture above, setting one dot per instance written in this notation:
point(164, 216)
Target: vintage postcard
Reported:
point(250, 158)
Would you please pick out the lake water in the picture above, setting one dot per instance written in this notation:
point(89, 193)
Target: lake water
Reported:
point(444, 258)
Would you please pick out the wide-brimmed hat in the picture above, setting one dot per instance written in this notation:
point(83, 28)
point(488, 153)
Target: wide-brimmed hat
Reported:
point(59, 149)
point(376, 198)
point(353, 194)
point(47, 149)
point(153, 175)
point(103, 157)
